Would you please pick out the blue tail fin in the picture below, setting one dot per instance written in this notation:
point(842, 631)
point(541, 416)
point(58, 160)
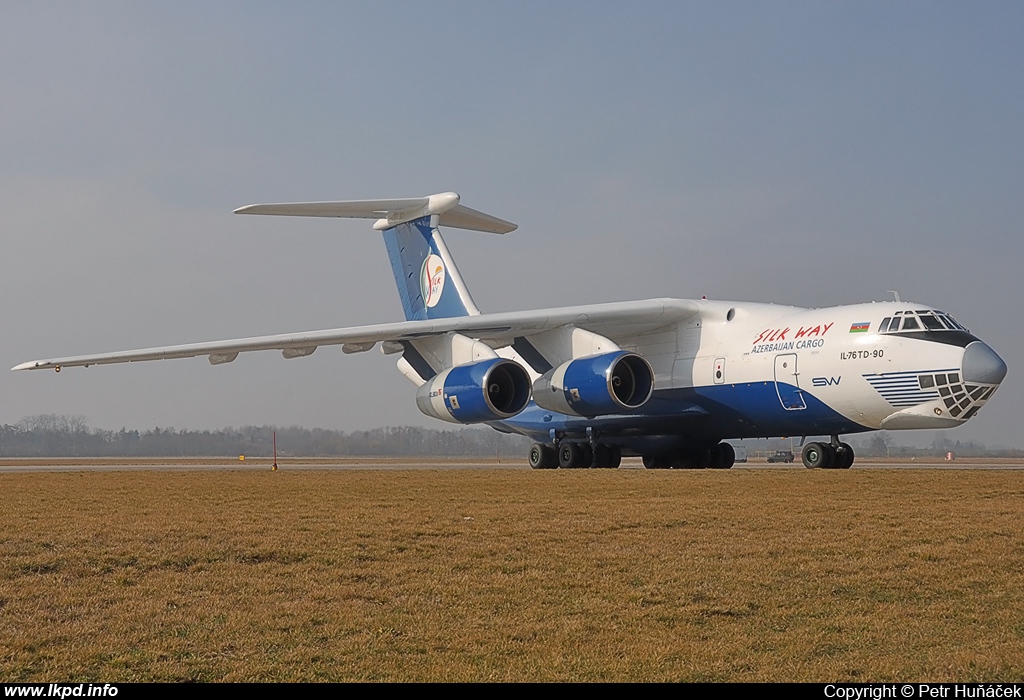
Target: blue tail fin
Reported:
point(429, 284)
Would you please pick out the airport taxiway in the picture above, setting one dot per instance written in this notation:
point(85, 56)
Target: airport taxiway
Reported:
point(16, 465)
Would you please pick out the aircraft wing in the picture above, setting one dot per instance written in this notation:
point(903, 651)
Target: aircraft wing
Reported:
point(615, 320)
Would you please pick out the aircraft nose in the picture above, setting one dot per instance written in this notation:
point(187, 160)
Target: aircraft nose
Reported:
point(982, 365)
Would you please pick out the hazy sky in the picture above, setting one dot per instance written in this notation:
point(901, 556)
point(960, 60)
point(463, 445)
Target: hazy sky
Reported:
point(803, 153)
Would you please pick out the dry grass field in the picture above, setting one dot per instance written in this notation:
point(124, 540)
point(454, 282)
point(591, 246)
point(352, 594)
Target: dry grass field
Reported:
point(430, 575)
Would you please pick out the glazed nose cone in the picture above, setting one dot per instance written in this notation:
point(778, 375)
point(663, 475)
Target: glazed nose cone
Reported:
point(982, 365)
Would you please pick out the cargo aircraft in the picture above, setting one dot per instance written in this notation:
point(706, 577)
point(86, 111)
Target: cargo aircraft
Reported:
point(667, 379)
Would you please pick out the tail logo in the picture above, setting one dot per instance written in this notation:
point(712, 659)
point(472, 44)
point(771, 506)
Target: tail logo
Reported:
point(432, 280)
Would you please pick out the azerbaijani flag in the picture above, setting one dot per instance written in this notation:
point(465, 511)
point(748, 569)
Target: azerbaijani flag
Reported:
point(859, 327)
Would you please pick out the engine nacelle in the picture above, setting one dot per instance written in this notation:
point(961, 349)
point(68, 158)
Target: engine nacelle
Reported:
point(492, 389)
point(617, 382)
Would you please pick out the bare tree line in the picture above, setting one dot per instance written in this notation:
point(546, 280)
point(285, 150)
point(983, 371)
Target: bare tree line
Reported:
point(51, 435)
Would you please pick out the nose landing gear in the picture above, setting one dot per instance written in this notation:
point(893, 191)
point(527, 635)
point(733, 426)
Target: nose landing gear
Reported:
point(825, 455)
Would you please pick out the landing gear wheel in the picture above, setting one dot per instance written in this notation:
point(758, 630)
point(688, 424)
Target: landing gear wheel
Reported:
point(723, 456)
point(542, 456)
point(658, 461)
point(684, 460)
point(701, 458)
point(606, 456)
point(817, 456)
point(570, 456)
point(844, 457)
point(588, 455)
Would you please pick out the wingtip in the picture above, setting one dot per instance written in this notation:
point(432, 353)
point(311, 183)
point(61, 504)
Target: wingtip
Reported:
point(38, 364)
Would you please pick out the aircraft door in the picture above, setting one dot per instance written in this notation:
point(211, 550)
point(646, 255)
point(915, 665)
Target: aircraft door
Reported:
point(787, 383)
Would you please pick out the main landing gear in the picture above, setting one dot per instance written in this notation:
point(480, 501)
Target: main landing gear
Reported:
point(569, 454)
point(828, 455)
point(720, 456)
point(574, 455)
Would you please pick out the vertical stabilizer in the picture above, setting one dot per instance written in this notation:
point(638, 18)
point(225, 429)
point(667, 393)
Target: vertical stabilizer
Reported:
point(429, 283)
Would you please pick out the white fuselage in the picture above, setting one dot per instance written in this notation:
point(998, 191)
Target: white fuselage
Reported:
point(738, 369)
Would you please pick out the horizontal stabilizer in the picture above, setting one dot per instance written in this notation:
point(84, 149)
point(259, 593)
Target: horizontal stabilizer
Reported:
point(392, 212)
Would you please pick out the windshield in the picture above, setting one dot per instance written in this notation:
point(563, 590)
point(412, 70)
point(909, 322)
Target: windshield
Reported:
point(918, 320)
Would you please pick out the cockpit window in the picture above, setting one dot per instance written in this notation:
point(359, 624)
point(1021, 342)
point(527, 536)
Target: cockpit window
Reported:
point(919, 320)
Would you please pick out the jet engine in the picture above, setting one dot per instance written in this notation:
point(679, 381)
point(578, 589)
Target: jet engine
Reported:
point(617, 382)
point(492, 389)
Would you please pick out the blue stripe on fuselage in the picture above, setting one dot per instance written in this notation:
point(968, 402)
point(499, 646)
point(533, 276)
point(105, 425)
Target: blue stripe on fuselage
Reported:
point(708, 412)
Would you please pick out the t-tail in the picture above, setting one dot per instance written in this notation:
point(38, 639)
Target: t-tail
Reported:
point(429, 284)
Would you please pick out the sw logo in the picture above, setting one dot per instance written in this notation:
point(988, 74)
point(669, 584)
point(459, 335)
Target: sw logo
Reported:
point(826, 381)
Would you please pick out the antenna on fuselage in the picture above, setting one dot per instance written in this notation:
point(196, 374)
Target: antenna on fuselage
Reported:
point(895, 294)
